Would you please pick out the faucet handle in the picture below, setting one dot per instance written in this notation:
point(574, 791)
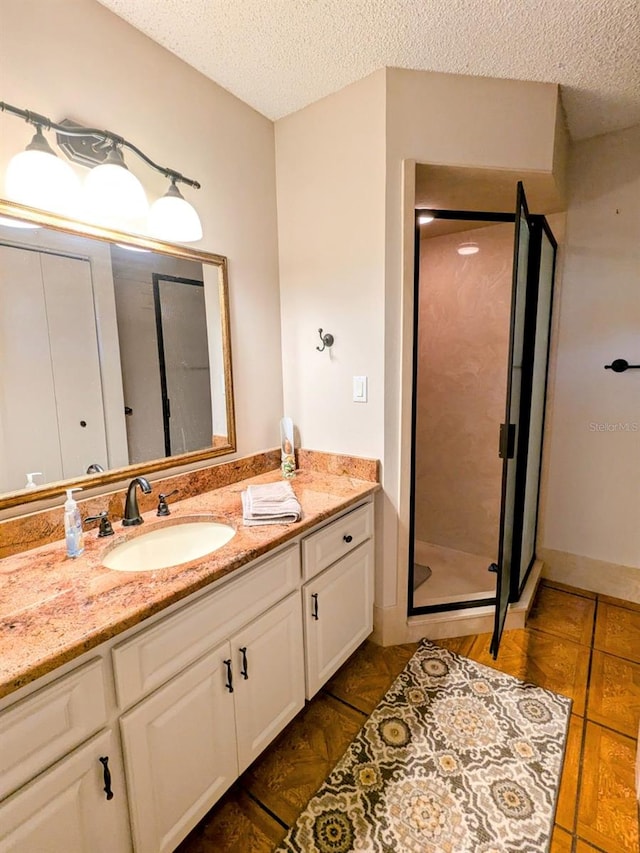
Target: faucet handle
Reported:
point(163, 509)
point(105, 525)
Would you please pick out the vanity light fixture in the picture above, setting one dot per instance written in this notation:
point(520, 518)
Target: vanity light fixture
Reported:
point(112, 195)
point(172, 218)
point(425, 218)
point(468, 249)
point(37, 177)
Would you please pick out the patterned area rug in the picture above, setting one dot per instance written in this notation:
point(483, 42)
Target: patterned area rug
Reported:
point(456, 758)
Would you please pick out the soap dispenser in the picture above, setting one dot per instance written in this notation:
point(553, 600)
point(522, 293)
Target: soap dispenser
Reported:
point(73, 525)
point(30, 484)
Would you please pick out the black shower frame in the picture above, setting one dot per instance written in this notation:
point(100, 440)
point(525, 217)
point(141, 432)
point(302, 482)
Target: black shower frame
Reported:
point(538, 225)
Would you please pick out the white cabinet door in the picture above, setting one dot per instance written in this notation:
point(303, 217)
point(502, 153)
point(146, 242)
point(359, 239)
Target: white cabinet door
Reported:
point(268, 672)
point(77, 381)
point(27, 398)
point(338, 614)
point(180, 753)
point(66, 810)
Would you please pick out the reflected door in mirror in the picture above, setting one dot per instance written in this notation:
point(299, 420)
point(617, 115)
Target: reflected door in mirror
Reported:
point(82, 396)
point(183, 356)
point(51, 405)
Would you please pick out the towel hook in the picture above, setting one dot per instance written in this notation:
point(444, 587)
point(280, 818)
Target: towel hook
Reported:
point(327, 340)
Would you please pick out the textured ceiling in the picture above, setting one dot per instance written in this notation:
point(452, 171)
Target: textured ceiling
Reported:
point(280, 55)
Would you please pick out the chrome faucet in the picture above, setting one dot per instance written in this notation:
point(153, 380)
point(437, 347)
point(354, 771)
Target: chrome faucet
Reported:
point(131, 512)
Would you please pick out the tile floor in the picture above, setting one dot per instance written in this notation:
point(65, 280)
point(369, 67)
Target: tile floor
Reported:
point(579, 644)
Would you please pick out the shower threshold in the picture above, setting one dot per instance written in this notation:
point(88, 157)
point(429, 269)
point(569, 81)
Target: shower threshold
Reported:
point(456, 576)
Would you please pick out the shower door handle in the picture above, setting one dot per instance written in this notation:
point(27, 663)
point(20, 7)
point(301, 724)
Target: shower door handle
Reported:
point(507, 442)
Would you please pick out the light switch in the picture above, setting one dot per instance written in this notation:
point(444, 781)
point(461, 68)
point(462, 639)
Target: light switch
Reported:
point(359, 389)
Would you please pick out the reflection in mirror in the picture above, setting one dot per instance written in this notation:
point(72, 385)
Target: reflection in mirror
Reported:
point(112, 357)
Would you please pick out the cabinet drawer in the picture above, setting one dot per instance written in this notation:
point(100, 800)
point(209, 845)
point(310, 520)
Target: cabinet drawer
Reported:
point(155, 655)
point(65, 810)
point(332, 542)
point(37, 731)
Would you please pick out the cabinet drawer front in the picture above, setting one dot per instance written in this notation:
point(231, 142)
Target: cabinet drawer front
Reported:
point(46, 725)
point(66, 810)
point(152, 657)
point(323, 548)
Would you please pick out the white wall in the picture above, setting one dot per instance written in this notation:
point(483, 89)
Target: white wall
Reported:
point(592, 495)
point(73, 58)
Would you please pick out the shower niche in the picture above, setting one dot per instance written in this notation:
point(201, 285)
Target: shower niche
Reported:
point(482, 312)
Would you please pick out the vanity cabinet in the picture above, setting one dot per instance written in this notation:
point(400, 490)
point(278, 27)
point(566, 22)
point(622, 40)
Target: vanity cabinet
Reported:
point(182, 705)
point(43, 728)
point(187, 742)
point(338, 598)
point(49, 746)
point(66, 808)
point(74, 806)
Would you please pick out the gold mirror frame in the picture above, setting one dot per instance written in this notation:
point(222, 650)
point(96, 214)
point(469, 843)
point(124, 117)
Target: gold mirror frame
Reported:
point(80, 229)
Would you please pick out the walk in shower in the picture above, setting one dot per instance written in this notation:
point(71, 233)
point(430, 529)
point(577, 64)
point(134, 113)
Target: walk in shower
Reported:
point(481, 332)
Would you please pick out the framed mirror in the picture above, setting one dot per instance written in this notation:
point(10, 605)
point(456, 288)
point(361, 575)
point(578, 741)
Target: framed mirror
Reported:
point(115, 355)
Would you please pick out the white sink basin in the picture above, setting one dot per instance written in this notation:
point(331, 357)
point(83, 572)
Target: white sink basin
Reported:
point(169, 545)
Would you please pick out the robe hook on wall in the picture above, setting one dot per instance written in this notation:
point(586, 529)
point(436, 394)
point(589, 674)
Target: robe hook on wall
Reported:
point(327, 341)
point(620, 365)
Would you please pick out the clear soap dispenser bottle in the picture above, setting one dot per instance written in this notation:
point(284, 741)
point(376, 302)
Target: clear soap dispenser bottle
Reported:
point(30, 485)
point(73, 525)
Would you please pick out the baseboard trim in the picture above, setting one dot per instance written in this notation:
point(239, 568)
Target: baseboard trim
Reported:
point(594, 575)
point(389, 630)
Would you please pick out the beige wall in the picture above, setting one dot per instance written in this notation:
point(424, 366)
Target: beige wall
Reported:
point(74, 58)
point(345, 202)
point(463, 341)
point(330, 172)
point(591, 517)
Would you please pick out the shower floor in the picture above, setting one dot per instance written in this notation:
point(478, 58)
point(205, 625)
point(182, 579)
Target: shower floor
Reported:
point(455, 576)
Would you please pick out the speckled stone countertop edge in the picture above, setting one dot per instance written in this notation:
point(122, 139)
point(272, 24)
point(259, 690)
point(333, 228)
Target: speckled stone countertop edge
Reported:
point(53, 609)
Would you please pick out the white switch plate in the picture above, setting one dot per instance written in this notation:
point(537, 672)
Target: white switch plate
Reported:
point(359, 389)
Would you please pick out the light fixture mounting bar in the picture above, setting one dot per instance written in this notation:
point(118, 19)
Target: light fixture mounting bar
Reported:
point(105, 136)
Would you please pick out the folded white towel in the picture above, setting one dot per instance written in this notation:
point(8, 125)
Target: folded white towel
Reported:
point(271, 493)
point(275, 503)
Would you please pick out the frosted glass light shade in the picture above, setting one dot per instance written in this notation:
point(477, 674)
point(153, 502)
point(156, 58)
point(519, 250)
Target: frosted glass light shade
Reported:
point(172, 218)
point(114, 197)
point(38, 178)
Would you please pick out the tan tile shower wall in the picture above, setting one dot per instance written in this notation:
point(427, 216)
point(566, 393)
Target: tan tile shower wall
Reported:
point(463, 345)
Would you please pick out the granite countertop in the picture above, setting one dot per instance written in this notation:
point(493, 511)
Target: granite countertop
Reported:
point(53, 609)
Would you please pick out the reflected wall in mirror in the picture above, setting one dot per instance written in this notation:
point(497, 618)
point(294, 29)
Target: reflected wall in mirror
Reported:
point(114, 356)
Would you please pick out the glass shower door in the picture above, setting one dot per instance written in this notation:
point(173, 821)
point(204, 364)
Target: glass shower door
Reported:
point(509, 437)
